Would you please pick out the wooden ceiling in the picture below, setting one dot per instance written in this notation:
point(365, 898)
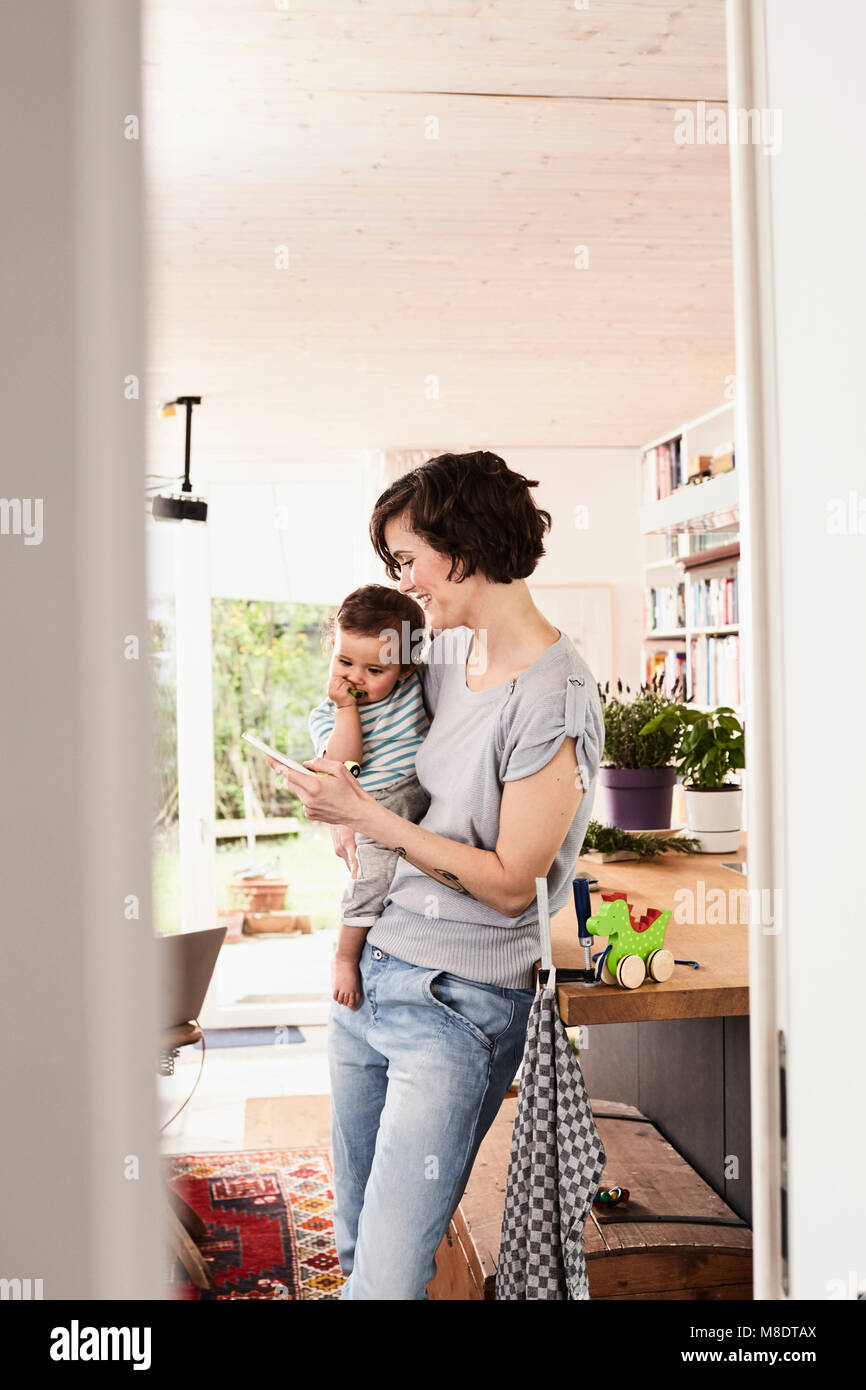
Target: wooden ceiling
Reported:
point(428, 292)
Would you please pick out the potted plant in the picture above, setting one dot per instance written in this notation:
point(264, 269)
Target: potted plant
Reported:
point(712, 747)
point(253, 892)
point(637, 774)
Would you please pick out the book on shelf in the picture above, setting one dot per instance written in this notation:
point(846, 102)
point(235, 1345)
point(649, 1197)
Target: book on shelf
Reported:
point(714, 602)
point(715, 663)
point(704, 542)
point(662, 471)
point(671, 664)
point(679, 545)
point(665, 468)
point(665, 608)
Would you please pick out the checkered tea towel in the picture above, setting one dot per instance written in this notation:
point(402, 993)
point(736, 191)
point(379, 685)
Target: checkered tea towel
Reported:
point(554, 1172)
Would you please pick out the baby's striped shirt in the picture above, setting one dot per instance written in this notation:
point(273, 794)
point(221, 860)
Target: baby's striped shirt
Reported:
point(393, 731)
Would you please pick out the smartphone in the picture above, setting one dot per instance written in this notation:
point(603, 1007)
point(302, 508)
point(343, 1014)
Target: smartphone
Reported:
point(280, 757)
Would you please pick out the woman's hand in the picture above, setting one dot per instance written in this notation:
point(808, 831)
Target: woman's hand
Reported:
point(337, 798)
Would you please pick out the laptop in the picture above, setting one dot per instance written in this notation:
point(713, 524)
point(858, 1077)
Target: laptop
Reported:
point(187, 963)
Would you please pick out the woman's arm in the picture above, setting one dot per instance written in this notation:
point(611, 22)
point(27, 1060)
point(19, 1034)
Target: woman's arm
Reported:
point(534, 819)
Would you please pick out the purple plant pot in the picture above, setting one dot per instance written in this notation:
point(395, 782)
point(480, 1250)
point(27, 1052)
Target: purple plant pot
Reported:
point(639, 798)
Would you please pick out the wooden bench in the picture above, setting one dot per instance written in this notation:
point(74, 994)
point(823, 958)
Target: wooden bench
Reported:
point(626, 1258)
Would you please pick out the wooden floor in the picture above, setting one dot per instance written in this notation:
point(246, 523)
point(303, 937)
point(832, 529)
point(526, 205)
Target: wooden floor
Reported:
point(287, 1122)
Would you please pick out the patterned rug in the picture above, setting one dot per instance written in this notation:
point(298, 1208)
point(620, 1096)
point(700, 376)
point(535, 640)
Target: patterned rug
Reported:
point(269, 1218)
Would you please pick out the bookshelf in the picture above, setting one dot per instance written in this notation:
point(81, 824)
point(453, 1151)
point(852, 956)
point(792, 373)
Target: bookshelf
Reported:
point(691, 562)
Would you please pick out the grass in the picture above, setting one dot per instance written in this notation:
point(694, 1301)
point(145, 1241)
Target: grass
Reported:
point(316, 876)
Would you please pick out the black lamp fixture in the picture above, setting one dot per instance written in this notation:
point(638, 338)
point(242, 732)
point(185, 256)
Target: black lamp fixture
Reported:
point(181, 506)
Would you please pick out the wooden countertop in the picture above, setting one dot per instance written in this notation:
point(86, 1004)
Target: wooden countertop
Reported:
point(720, 988)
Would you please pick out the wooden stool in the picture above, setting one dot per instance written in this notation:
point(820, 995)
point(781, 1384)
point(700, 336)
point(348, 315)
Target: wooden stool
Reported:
point(631, 1251)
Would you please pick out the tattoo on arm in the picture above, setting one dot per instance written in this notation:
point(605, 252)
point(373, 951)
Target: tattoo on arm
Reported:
point(452, 881)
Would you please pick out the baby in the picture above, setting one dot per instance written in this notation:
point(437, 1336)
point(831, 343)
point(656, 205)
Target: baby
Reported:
point(374, 715)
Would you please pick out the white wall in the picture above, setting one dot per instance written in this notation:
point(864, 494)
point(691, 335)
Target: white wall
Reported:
point(81, 1196)
point(610, 550)
point(818, 215)
point(800, 294)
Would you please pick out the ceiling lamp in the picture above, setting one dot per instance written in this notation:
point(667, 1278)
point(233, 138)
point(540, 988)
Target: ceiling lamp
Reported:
point(181, 506)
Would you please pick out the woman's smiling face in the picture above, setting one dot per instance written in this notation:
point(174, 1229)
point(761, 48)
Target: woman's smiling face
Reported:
point(424, 576)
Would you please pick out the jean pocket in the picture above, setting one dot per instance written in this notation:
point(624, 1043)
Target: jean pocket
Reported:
point(482, 1013)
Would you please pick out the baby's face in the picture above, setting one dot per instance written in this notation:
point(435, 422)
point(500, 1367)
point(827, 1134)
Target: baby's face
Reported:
point(359, 659)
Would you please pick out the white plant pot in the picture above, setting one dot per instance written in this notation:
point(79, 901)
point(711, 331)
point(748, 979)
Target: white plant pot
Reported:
point(714, 816)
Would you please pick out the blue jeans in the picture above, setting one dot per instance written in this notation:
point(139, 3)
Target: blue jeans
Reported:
point(418, 1073)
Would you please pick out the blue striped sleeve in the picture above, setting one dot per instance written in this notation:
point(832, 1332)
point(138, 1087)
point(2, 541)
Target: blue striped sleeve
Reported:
point(321, 725)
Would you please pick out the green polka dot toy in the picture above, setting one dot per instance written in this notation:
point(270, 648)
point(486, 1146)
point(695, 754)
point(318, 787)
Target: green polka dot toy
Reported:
point(637, 945)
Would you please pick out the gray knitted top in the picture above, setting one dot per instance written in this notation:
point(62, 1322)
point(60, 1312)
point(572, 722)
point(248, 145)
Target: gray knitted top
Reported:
point(478, 741)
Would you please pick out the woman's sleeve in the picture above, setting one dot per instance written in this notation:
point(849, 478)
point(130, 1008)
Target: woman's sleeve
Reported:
point(538, 731)
point(430, 676)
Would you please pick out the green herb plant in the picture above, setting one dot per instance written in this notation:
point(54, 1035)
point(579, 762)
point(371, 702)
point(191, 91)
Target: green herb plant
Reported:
point(607, 839)
point(627, 722)
point(711, 743)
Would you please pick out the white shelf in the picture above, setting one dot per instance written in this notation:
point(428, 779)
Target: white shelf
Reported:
point(715, 422)
point(709, 506)
point(683, 634)
point(671, 563)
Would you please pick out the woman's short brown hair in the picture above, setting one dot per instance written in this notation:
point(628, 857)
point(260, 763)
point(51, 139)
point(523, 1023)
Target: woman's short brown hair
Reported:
point(471, 507)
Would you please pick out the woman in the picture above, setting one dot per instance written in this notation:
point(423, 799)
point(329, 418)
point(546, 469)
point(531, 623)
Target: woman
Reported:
point(420, 1068)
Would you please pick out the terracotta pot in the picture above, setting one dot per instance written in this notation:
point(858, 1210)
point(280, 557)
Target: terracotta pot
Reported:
point(257, 894)
point(258, 923)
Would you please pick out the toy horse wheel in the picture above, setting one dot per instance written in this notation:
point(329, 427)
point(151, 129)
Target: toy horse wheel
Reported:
point(631, 972)
point(660, 965)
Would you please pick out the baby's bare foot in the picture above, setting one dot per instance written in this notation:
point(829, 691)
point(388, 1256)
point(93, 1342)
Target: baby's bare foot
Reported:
point(347, 984)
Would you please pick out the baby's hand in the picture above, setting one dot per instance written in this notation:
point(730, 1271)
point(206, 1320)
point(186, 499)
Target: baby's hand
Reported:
point(339, 690)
